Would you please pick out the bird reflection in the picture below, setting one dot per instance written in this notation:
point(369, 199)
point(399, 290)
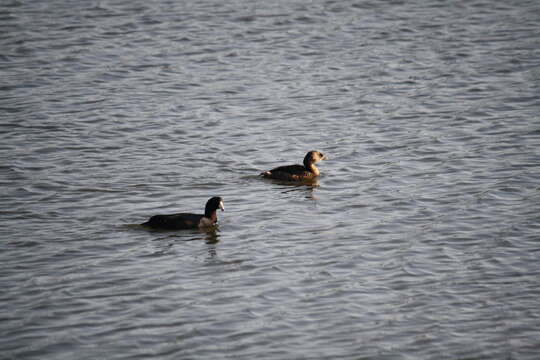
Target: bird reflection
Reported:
point(306, 187)
point(212, 236)
point(306, 182)
point(211, 239)
point(168, 239)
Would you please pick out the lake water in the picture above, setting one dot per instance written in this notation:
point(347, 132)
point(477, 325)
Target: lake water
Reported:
point(421, 239)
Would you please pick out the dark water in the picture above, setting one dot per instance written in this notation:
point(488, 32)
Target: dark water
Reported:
point(420, 241)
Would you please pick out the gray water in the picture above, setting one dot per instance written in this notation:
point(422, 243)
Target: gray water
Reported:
point(420, 240)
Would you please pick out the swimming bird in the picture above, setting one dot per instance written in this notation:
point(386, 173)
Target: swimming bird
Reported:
point(188, 221)
point(308, 171)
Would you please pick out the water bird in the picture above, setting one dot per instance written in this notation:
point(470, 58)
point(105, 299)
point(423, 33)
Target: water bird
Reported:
point(186, 220)
point(308, 171)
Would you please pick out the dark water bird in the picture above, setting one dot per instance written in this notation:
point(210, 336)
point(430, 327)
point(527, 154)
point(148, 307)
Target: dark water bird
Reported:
point(308, 171)
point(188, 221)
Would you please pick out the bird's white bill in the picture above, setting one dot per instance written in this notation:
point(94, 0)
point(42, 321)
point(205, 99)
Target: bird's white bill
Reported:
point(221, 206)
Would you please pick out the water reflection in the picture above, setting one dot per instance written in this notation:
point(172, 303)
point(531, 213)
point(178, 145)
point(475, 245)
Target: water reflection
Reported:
point(212, 251)
point(209, 235)
point(212, 235)
point(165, 243)
point(308, 182)
point(307, 187)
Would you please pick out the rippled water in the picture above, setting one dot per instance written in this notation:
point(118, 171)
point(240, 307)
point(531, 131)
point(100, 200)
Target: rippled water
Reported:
point(420, 240)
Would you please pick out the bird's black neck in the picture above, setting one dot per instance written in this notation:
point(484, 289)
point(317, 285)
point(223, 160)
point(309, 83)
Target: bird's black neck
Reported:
point(211, 214)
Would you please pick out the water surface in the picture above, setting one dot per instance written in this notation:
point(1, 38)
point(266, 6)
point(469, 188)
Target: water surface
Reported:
point(419, 241)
